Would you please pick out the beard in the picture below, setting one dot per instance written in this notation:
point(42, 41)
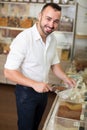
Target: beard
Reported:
point(46, 30)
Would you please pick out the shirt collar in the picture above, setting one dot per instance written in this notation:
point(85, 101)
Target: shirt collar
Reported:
point(36, 33)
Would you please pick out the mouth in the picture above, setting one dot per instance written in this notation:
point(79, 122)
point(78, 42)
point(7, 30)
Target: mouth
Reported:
point(49, 30)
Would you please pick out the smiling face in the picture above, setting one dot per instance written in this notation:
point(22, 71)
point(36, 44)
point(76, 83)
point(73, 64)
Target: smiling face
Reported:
point(48, 21)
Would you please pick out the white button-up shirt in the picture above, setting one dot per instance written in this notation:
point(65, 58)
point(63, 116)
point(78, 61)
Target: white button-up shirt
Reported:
point(33, 57)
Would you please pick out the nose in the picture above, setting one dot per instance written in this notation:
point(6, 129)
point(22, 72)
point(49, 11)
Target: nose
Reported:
point(52, 24)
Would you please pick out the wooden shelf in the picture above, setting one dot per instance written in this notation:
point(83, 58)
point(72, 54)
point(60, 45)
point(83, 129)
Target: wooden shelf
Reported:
point(63, 32)
point(12, 28)
point(81, 36)
point(66, 5)
point(1, 2)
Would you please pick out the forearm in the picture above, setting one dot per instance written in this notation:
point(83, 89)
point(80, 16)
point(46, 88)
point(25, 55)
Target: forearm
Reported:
point(58, 71)
point(18, 78)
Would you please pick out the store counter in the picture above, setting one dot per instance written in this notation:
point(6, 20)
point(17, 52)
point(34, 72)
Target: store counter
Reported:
point(76, 101)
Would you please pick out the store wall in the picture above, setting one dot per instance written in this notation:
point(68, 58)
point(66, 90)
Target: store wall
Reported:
point(81, 27)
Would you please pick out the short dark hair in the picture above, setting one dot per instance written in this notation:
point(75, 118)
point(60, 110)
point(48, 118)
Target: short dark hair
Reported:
point(53, 5)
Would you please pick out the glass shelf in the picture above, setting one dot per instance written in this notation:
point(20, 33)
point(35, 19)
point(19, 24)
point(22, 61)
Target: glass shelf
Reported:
point(81, 36)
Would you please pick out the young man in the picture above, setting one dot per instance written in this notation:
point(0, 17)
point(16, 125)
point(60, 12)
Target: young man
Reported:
point(32, 54)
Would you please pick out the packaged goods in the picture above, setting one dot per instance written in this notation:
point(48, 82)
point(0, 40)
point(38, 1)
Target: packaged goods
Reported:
point(63, 52)
point(13, 0)
point(20, 0)
point(3, 21)
point(13, 22)
point(64, 1)
point(26, 22)
point(81, 60)
point(66, 24)
point(26, 0)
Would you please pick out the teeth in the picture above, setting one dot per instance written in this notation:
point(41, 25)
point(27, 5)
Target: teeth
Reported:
point(49, 28)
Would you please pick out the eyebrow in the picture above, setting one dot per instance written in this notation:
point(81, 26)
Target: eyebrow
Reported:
point(51, 18)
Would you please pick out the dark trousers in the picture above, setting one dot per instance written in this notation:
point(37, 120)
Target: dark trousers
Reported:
point(30, 107)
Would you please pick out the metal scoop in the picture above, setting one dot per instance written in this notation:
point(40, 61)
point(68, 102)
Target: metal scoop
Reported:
point(57, 89)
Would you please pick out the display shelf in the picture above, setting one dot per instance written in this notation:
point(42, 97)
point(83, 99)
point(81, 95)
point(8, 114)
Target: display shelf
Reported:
point(66, 5)
point(81, 27)
point(4, 2)
point(65, 32)
point(11, 28)
point(2, 61)
point(81, 36)
point(62, 5)
point(68, 10)
point(18, 28)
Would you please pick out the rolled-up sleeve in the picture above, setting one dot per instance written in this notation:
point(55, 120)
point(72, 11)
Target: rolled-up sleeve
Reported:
point(16, 54)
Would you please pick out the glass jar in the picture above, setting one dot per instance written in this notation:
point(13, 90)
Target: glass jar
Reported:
point(64, 1)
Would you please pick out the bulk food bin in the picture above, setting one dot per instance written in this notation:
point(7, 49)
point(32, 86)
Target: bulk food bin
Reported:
point(68, 113)
point(73, 98)
point(74, 119)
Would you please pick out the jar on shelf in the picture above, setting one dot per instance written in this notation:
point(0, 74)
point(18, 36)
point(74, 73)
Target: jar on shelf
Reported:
point(56, 1)
point(26, 0)
point(1, 48)
point(13, 0)
point(5, 0)
point(71, 1)
point(64, 1)
point(3, 21)
point(26, 22)
point(19, 0)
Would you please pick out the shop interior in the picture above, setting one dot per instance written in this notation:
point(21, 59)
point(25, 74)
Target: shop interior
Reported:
point(17, 15)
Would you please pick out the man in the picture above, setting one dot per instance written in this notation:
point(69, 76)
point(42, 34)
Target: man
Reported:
point(32, 54)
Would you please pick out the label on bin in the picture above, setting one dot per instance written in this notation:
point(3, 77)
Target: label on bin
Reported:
point(76, 123)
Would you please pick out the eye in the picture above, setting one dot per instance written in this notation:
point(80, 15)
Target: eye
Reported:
point(48, 19)
point(56, 21)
